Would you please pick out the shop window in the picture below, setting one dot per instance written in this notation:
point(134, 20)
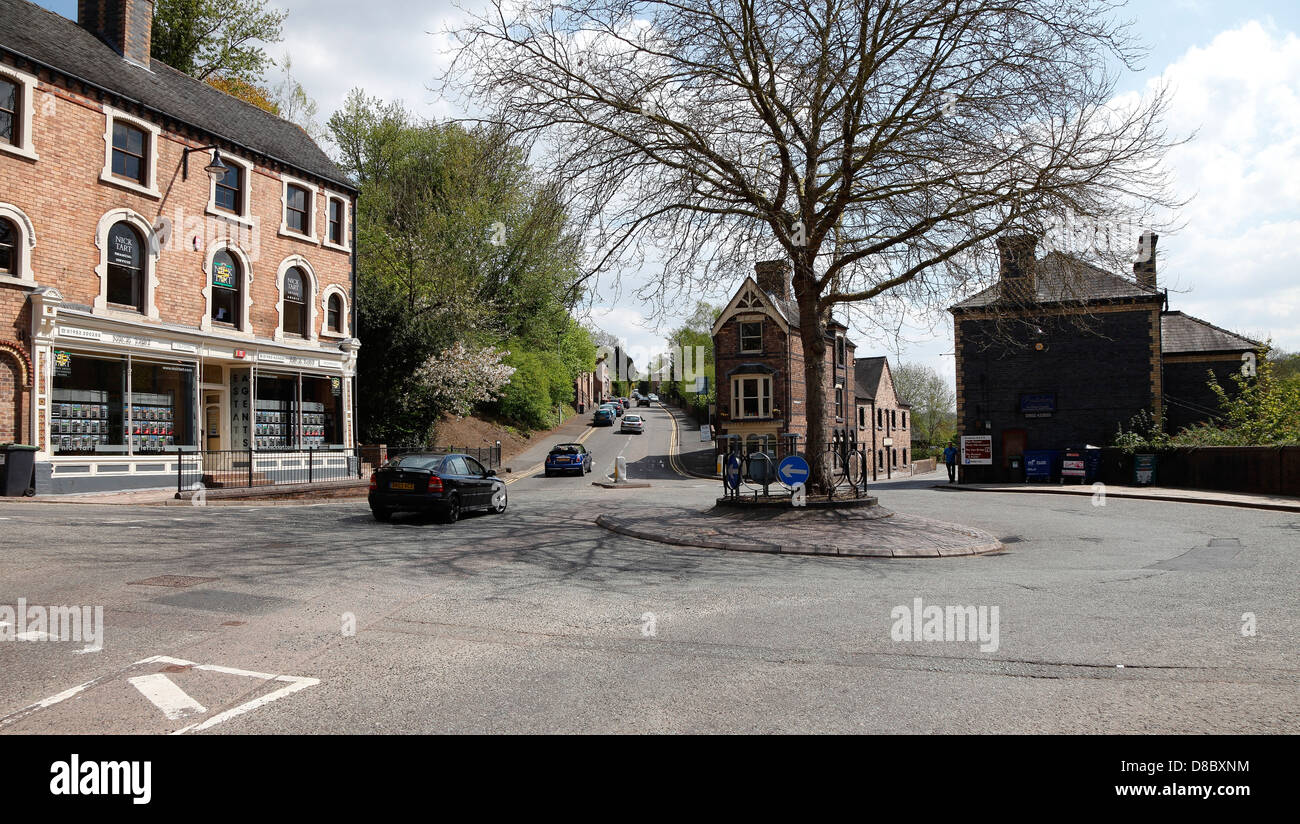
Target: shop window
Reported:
point(227, 289)
point(162, 413)
point(322, 412)
point(296, 300)
point(126, 272)
point(87, 410)
point(130, 153)
point(297, 209)
point(229, 194)
point(276, 413)
point(9, 248)
point(334, 314)
point(10, 116)
point(751, 337)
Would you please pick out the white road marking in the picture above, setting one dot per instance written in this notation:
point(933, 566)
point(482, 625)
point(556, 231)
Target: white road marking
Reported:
point(295, 684)
point(174, 702)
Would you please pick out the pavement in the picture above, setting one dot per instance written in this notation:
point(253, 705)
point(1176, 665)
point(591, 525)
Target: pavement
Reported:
point(1280, 503)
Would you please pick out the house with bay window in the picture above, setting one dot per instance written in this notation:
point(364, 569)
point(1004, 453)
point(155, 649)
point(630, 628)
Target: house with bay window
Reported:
point(759, 364)
point(176, 265)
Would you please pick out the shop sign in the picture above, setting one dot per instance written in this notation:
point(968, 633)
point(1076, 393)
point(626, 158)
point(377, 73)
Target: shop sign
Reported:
point(977, 450)
point(85, 334)
point(223, 274)
point(62, 364)
point(177, 346)
point(133, 340)
point(1038, 405)
point(267, 357)
point(293, 288)
point(336, 387)
point(122, 250)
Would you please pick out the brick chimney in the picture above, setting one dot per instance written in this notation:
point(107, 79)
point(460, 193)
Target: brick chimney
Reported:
point(126, 25)
point(773, 277)
point(1016, 267)
point(1144, 270)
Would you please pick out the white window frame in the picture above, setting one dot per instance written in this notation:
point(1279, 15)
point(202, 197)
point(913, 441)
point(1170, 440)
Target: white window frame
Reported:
point(26, 146)
point(245, 214)
point(346, 245)
point(245, 327)
point(740, 331)
point(313, 209)
point(334, 289)
point(154, 134)
point(285, 265)
point(152, 251)
point(738, 398)
point(23, 245)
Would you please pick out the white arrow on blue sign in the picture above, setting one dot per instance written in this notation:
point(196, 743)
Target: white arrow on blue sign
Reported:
point(733, 471)
point(792, 470)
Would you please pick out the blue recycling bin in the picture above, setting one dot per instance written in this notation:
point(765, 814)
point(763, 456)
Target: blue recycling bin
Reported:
point(1041, 464)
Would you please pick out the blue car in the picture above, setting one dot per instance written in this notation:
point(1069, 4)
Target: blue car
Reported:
point(568, 457)
point(604, 416)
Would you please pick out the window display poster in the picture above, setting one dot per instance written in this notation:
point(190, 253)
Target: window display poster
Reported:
point(223, 274)
point(241, 407)
point(62, 364)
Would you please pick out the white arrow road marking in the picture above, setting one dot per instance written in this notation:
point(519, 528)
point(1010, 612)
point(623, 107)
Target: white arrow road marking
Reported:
point(166, 696)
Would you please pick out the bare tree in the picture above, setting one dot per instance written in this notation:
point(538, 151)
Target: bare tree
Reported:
point(879, 145)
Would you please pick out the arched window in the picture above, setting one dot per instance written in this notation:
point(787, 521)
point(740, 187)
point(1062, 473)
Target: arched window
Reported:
point(296, 300)
point(227, 288)
point(9, 248)
point(125, 266)
point(334, 314)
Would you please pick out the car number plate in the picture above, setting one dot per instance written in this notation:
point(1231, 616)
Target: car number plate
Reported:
point(402, 485)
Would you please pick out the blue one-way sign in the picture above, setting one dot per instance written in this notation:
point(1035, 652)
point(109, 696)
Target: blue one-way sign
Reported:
point(792, 470)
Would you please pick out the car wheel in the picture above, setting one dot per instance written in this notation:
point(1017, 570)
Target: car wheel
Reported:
point(382, 514)
point(451, 513)
point(499, 501)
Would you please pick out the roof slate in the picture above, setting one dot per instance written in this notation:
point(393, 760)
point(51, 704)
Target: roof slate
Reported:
point(1061, 278)
point(29, 31)
point(1180, 333)
point(866, 374)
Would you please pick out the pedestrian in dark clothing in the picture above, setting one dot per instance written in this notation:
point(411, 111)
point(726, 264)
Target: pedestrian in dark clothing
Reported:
point(950, 458)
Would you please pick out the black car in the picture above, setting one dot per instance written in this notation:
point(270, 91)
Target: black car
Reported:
point(447, 485)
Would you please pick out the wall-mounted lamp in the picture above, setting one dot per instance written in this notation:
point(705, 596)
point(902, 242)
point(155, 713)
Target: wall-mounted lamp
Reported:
point(216, 169)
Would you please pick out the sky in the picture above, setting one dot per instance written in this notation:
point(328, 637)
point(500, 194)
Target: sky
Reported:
point(1234, 69)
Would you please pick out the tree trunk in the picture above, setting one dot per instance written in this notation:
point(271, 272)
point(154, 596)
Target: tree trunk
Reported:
point(812, 333)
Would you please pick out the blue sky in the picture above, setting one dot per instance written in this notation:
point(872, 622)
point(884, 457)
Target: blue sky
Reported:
point(1234, 68)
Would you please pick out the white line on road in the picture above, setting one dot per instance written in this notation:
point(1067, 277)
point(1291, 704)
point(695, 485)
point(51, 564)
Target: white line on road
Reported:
point(174, 702)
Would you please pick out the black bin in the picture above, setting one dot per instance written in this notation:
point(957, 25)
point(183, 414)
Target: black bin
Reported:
point(19, 466)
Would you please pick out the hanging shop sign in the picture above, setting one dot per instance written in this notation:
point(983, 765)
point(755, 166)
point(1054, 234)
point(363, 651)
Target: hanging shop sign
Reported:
point(336, 387)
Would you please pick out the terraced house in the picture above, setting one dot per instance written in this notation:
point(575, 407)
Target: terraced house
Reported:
point(176, 266)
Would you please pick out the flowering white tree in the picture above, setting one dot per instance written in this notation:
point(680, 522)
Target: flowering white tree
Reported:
point(461, 376)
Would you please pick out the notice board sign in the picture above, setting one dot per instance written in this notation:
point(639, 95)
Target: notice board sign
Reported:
point(1072, 464)
point(977, 450)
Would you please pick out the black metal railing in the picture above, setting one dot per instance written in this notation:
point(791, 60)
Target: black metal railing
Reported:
point(847, 465)
point(245, 468)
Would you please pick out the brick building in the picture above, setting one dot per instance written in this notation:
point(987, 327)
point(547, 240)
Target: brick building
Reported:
point(176, 266)
point(1059, 353)
point(884, 424)
point(758, 359)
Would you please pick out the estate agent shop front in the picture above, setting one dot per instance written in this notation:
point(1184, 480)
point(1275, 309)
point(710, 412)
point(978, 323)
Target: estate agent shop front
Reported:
point(116, 400)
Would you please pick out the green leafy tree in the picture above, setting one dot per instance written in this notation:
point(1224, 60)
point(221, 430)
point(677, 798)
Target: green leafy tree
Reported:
point(1257, 410)
point(216, 37)
point(458, 241)
point(933, 400)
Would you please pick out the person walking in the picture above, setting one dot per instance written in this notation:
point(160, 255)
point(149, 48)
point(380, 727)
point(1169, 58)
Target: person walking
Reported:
point(950, 458)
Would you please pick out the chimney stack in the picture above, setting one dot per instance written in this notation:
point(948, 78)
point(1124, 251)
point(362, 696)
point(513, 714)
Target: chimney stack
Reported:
point(1144, 270)
point(126, 25)
point(773, 277)
point(1016, 267)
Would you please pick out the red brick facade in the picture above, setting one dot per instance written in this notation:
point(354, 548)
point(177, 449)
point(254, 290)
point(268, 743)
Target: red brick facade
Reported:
point(60, 196)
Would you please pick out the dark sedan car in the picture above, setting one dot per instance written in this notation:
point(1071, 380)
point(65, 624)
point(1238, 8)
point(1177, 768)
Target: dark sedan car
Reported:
point(603, 416)
point(568, 457)
point(447, 485)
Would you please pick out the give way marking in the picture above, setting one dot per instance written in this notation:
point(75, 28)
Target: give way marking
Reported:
point(174, 703)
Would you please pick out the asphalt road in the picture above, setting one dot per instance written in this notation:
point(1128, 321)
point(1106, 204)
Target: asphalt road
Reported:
point(1118, 618)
